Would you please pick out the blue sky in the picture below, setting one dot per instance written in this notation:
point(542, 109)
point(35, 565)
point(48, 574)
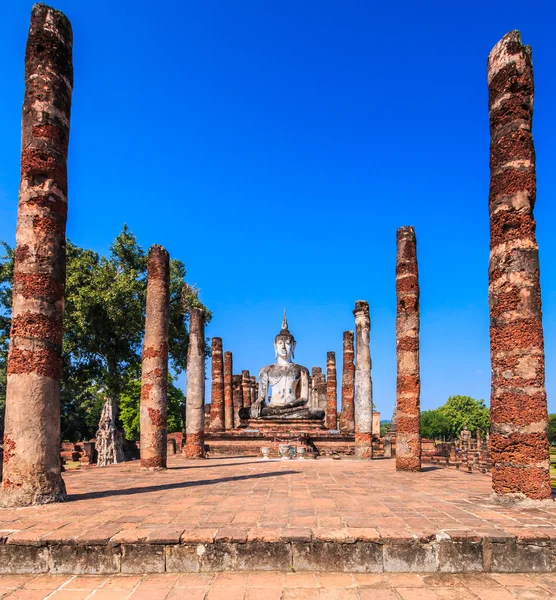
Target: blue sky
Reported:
point(275, 147)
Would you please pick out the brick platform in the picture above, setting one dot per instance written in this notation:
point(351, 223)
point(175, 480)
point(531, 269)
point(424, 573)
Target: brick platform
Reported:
point(250, 514)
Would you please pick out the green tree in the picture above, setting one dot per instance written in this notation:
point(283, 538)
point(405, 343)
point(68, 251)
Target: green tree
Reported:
point(6, 280)
point(434, 424)
point(103, 329)
point(464, 410)
point(552, 428)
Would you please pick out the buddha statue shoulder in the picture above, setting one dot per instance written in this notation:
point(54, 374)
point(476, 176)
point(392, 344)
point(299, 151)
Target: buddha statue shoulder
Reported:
point(288, 381)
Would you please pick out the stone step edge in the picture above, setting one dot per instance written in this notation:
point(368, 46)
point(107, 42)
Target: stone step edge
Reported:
point(443, 554)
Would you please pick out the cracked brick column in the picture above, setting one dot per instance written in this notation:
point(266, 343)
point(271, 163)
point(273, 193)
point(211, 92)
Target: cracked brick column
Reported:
point(31, 472)
point(195, 398)
point(254, 389)
point(347, 419)
point(518, 406)
point(246, 388)
point(331, 416)
point(237, 394)
point(363, 387)
point(154, 380)
point(217, 394)
point(228, 391)
point(408, 385)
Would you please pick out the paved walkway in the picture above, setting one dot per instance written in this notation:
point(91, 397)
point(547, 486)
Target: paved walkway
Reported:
point(240, 499)
point(277, 586)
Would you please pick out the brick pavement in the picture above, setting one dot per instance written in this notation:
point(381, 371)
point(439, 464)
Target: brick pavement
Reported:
point(279, 586)
point(234, 501)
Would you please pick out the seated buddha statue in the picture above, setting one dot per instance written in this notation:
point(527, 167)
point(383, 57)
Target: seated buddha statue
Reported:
point(289, 383)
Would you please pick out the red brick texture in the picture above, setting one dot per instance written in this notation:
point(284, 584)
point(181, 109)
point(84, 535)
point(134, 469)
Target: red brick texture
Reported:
point(519, 418)
point(228, 391)
point(237, 396)
point(217, 395)
point(408, 386)
point(246, 388)
point(331, 416)
point(154, 380)
point(31, 472)
point(347, 423)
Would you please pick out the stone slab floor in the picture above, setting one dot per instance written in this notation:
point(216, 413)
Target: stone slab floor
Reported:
point(239, 499)
point(278, 586)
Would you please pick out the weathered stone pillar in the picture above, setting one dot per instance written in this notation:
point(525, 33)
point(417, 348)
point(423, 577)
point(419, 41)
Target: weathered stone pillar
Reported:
point(217, 395)
point(237, 398)
point(408, 385)
point(31, 473)
point(331, 418)
point(518, 407)
point(363, 386)
point(347, 419)
point(228, 391)
point(195, 398)
point(317, 378)
point(387, 447)
point(154, 381)
point(246, 388)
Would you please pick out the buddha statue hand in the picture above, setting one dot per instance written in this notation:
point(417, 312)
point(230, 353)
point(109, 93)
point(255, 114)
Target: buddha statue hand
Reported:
point(256, 409)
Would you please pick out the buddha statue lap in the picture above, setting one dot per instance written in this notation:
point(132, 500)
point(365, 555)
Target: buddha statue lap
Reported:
point(289, 383)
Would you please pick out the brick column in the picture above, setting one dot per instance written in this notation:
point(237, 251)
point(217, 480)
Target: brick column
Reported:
point(363, 388)
point(154, 381)
point(317, 378)
point(245, 388)
point(331, 419)
point(195, 398)
point(217, 394)
point(347, 419)
point(228, 391)
point(237, 391)
point(408, 387)
point(31, 473)
point(518, 408)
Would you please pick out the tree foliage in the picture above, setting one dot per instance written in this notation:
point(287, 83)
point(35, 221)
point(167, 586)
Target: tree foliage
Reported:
point(552, 428)
point(104, 323)
point(447, 421)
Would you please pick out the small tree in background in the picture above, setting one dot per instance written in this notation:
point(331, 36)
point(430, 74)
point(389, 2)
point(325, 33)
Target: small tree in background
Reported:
point(447, 421)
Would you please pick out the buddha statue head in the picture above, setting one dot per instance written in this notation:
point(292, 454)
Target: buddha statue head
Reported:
point(284, 343)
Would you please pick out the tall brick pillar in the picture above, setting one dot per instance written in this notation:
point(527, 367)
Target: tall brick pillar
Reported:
point(347, 419)
point(331, 416)
point(254, 390)
point(228, 391)
point(217, 395)
point(518, 407)
point(317, 378)
point(363, 387)
point(246, 388)
point(237, 391)
point(195, 398)
point(408, 388)
point(31, 472)
point(154, 381)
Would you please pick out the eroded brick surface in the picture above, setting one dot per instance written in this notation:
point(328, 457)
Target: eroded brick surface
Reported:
point(518, 396)
point(408, 386)
point(347, 422)
point(363, 387)
point(228, 391)
point(217, 394)
point(154, 379)
point(331, 418)
point(32, 473)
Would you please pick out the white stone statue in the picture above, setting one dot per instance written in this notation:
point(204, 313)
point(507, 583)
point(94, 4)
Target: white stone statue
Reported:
point(289, 383)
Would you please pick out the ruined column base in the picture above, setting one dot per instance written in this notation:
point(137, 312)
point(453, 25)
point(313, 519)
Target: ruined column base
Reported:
point(155, 463)
point(194, 446)
point(363, 448)
point(46, 490)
